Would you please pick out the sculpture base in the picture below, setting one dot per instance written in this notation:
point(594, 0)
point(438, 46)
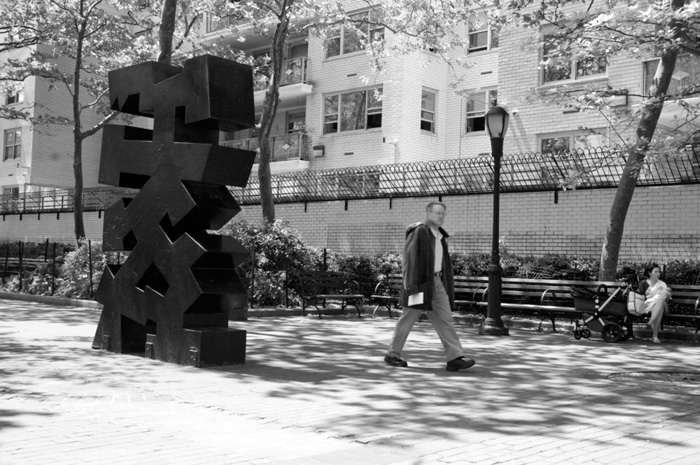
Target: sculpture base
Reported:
point(493, 327)
point(201, 347)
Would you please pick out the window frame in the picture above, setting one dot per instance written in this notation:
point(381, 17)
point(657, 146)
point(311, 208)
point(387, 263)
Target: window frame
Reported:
point(370, 112)
point(675, 83)
point(490, 96)
point(433, 111)
point(574, 66)
point(572, 135)
point(13, 98)
point(15, 147)
point(491, 34)
point(294, 117)
point(372, 32)
point(10, 192)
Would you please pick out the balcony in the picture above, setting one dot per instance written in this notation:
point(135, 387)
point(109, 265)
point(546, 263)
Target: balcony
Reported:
point(292, 83)
point(290, 152)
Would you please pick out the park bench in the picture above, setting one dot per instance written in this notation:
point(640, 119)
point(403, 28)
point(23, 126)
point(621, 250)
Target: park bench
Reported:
point(684, 307)
point(551, 298)
point(387, 293)
point(320, 287)
point(545, 299)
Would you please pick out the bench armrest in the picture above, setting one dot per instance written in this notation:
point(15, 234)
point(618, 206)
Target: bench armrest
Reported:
point(549, 291)
point(483, 291)
point(382, 288)
point(309, 288)
point(351, 287)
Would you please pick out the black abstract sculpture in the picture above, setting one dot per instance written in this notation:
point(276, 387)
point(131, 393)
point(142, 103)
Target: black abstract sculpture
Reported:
point(172, 296)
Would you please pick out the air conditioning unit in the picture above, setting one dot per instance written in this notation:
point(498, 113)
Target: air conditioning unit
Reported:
point(319, 150)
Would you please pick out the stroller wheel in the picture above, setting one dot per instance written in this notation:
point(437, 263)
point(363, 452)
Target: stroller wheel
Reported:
point(577, 334)
point(586, 333)
point(611, 332)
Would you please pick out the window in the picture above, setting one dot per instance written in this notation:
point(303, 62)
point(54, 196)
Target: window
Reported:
point(350, 39)
point(10, 197)
point(13, 144)
point(477, 106)
point(564, 142)
point(296, 122)
point(427, 110)
point(481, 36)
point(10, 192)
point(14, 97)
point(558, 65)
point(685, 74)
point(353, 111)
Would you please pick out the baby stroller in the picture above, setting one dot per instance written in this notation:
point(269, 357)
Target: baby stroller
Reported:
point(603, 312)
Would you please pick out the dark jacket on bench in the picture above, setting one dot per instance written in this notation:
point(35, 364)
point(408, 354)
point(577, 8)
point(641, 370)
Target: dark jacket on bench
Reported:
point(418, 266)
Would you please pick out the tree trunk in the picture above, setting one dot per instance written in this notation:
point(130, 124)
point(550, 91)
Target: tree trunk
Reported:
point(78, 192)
point(628, 182)
point(166, 31)
point(269, 112)
point(78, 137)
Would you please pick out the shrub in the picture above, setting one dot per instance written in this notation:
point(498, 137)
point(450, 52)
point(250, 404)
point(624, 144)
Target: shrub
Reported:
point(278, 252)
point(75, 280)
point(682, 272)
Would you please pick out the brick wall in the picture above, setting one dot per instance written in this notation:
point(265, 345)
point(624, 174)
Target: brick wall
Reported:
point(661, 223)
point(55, 227)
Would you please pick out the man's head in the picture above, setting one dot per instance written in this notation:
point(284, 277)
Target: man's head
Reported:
point(435, 214)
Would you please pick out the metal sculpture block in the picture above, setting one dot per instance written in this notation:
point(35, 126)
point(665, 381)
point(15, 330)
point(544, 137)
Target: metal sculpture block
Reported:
point(172, 296)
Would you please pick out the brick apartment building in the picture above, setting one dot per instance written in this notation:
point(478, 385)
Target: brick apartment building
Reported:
point(331, 117)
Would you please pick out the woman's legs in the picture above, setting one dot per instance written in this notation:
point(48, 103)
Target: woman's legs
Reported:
point(656, 311)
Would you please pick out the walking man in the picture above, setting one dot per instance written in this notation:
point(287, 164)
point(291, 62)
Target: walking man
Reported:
point(428, 285)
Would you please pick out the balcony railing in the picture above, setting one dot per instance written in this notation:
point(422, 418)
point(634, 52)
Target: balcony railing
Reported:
point(593, 168)
point(293, 72)
point(61, 200)
point(285, 147)
point(214, 23)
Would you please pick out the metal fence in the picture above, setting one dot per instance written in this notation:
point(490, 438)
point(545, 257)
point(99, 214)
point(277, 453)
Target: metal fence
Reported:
point(582, 169)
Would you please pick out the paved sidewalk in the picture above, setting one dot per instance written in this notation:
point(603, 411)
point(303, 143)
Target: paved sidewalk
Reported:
point(317, 392)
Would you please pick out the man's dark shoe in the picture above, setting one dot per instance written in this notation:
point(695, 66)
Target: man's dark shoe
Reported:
point(395, 361)
point(460, 364)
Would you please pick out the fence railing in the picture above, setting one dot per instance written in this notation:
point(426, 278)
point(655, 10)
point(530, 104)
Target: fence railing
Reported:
point(582, 169)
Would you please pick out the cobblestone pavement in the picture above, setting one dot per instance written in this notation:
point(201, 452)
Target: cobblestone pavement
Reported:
point(317, 392)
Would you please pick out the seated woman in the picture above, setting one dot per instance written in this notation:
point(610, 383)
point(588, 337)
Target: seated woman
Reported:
point(656, 293)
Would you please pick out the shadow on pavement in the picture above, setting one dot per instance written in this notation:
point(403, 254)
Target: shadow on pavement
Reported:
point(329, 375)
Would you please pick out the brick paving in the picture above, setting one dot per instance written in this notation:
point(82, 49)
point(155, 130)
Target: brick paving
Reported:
point(317, 392)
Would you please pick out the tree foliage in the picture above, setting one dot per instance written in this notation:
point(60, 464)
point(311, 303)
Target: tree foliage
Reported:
point(594, 30)
point(70, 46)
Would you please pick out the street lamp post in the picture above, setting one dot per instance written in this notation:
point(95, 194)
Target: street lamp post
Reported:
point(497, 125)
